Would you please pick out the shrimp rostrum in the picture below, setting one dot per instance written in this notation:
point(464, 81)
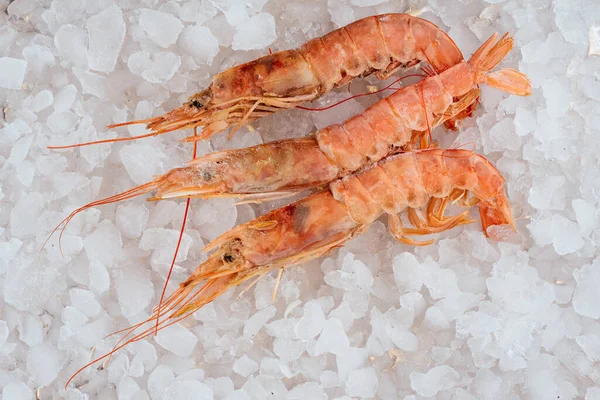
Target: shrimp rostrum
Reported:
point(379, 44)
point(407, 183)
point(281, 168)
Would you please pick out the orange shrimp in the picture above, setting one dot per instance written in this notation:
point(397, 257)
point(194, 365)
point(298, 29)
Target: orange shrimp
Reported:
point(282, 168)
point(314, 226)
point(378, 44)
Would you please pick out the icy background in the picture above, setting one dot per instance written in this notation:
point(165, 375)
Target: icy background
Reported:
point(465, 318)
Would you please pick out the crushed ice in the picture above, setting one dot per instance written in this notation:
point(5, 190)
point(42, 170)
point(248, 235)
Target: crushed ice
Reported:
point(465, 318)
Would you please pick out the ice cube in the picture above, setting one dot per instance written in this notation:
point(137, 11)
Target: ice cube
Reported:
point(7, 252)
point(159, 380)
point(44, 362)
point(177, 339)
point(258, 320)
point(99, 280)
point(163, 29)
point(408, 273)
point(84, 301)
point(92, 83)
point(245, 366)
point(525, 121)
point(198, 12)
point(333, 338)
point(65, 98)
point(435, 319)
point(434, 381)
point(591, 345)
point(200, 43)
point(31, 331)
point(104, 243)
point(413, 301)
point(25, 215)
point(188, 389)
point(308, 390)
point(592, 393)
point(71, 43)
point(587, 216)
point(17, 390)
point(142, 161)
point(30, 288)
point(38, 58)
point(566, 235)
point(545, 193)
point(156, 68)
point(350, 360)
point(62, 122)
point(311, 323)
point(131, 219)
point(238, 395)
point(288, 350)
point(4, 332)
point(213, 217)
point(106, 33)
point(134, 290)
point(556, 91)
point(354, 274)
point(72, 317)
point(586, 296)
point(43, 99)
point(256, 33)
point(341, 12)
point(163, 242)
point(594, 47)
point(13, 72)
point(221, 387)
point(127, 388)
point(20, 150)
point(362, 383)
point(487, 384)
point(441, 282)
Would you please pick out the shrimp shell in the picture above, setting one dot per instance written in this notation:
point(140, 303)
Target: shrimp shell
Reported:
point(312, 227)
point(379, 44)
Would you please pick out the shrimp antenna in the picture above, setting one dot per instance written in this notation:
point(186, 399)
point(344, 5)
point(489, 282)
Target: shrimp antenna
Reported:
point(388, 87)
point(185, 214)
point(114, 140)
point(136, 191)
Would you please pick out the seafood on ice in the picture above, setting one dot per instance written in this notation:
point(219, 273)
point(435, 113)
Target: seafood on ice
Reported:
point(314, 226)
point(282, 168)
point(380, 44)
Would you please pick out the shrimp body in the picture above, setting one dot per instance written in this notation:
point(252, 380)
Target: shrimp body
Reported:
point(379, 44)
point(311, 227)
point(279, 168)
point(282, 168)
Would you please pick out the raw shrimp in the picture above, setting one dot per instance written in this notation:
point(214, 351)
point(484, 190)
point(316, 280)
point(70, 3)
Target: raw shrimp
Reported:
point(282, 168)
point(314, 226)
point(379, 44)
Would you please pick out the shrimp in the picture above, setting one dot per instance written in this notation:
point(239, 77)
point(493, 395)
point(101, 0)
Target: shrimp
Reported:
point(380, 44)
point(282, 168)
point(314, 226)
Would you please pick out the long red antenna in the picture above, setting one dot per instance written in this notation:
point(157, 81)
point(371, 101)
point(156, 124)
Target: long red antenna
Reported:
point(362, 94)
point(185, 214)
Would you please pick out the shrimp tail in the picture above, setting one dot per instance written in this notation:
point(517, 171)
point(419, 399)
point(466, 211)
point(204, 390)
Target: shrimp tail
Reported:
point(488, 56)
point(496, 212)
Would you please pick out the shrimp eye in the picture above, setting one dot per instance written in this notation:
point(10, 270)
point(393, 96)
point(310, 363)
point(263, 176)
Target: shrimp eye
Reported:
point(228, 258)
point(207, 176)
point(196, 104)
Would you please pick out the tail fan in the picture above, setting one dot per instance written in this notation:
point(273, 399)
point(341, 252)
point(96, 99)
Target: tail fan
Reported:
point(488, 56)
